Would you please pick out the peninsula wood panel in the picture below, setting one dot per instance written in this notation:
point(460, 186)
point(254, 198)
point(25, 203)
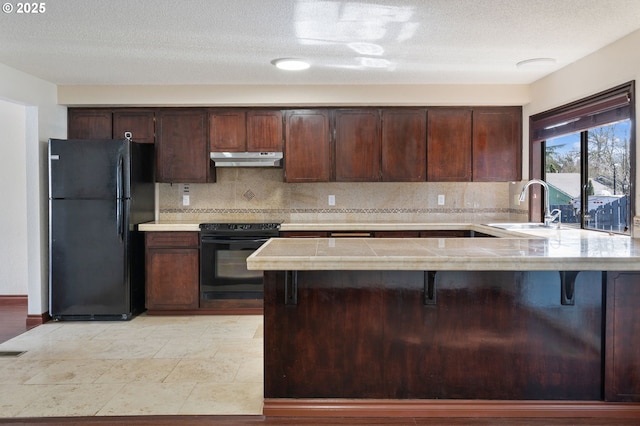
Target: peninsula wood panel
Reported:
point(622, 356)
point(449, 145)
point(404, 145)
point(490, 335)
point(308, 156)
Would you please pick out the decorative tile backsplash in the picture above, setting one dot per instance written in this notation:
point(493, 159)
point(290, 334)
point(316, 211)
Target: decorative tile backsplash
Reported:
point(245, 194)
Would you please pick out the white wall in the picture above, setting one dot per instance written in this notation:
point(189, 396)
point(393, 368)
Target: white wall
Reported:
point(43, 119)
point(294, 95)
point(13, 184)
point(610, 66)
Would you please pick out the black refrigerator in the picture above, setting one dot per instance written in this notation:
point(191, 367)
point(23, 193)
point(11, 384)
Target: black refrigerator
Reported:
point(99, 191)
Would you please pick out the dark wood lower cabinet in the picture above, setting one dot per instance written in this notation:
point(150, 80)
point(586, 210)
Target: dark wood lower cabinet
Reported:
point(172, 271)
point(622, 349)
point(483, 335)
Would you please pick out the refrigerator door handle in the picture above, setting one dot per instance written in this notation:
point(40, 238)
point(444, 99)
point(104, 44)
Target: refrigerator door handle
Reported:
point(119, 200)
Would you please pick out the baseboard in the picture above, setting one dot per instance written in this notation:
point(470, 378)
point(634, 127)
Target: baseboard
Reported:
point(13, 300)
point(441, 408)
point(34, 320)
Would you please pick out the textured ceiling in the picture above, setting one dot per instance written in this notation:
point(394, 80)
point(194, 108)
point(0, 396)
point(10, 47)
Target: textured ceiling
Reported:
point(347, 42)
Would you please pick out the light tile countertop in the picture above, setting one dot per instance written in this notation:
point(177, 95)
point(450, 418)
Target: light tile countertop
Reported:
point(530, 250)
point(541, 249)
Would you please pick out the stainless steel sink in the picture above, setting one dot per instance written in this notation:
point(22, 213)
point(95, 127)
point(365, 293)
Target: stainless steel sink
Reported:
point(521, 225)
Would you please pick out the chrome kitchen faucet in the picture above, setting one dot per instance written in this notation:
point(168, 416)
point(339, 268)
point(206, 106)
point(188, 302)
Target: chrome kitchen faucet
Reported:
point(549, 216)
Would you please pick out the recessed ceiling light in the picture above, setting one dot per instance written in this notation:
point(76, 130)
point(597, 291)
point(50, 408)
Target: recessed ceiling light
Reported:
point(290, 64)
point(536, 63)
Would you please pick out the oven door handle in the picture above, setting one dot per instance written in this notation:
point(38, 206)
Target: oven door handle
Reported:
point(236, 241)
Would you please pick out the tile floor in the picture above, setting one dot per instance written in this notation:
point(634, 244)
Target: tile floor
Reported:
point(151, 365)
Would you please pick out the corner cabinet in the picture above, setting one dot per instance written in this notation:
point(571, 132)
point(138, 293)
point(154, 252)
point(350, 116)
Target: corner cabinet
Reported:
point(172, 271)
point(307, 150)
point(182, 151)
point(497, 144)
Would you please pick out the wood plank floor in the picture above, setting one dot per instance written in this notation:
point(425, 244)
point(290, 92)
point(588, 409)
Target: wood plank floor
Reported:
point(13, 322)
point(258, 420)
point(13, 318)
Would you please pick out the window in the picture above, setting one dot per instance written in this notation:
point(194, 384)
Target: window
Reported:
point(585, 152)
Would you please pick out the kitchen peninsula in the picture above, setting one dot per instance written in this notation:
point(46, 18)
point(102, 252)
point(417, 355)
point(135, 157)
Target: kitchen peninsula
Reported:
point(534, 323)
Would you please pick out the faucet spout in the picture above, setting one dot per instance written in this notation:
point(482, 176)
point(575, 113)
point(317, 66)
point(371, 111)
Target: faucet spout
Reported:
point(549, 217)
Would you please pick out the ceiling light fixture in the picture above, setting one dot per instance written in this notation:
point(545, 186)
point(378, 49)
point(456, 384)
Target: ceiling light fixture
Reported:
point(290, 64)
point(536, 63)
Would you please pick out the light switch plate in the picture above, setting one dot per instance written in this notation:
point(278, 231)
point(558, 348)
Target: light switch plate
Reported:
point(332, 200)
point(441, 200)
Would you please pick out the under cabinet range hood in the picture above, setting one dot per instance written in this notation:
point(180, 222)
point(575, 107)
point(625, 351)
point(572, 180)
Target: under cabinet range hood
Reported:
point(246, 159)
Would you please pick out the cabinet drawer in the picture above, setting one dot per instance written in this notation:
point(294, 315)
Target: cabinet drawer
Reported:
point(172, 239)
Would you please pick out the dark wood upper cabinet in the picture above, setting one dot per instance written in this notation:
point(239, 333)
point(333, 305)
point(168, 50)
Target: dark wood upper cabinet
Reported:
point(404, 145)
point(141, 124)
point(357, 145)
point(438, 144)
point(264, 131)
point(227, 131)
point(497, 144)
point(253, 130)
point(89, 123)
point(449, 145)
point(182, 152)
point(307, 146)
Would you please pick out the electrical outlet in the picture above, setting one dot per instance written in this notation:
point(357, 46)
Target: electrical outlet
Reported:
point(441, 200)
point(186, 199)
point(332, 200)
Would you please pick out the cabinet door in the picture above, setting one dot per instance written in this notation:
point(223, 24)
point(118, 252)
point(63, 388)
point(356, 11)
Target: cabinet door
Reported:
point(449, 145)
point(87, 123)
point(622, 342)
point(227, 132)
point(172, 270)
point(497, 144)
point(357, 143)
point(404, 145)
point(264, 131)
point(307, 146)
point(141, 124)
point(182, 152)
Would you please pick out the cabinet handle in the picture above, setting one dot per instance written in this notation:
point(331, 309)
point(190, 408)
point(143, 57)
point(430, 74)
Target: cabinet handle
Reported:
point(430, 287)
point(291, 288)
point(568, 287)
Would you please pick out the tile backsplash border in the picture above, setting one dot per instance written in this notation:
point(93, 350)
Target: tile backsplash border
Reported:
point(262, 195)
